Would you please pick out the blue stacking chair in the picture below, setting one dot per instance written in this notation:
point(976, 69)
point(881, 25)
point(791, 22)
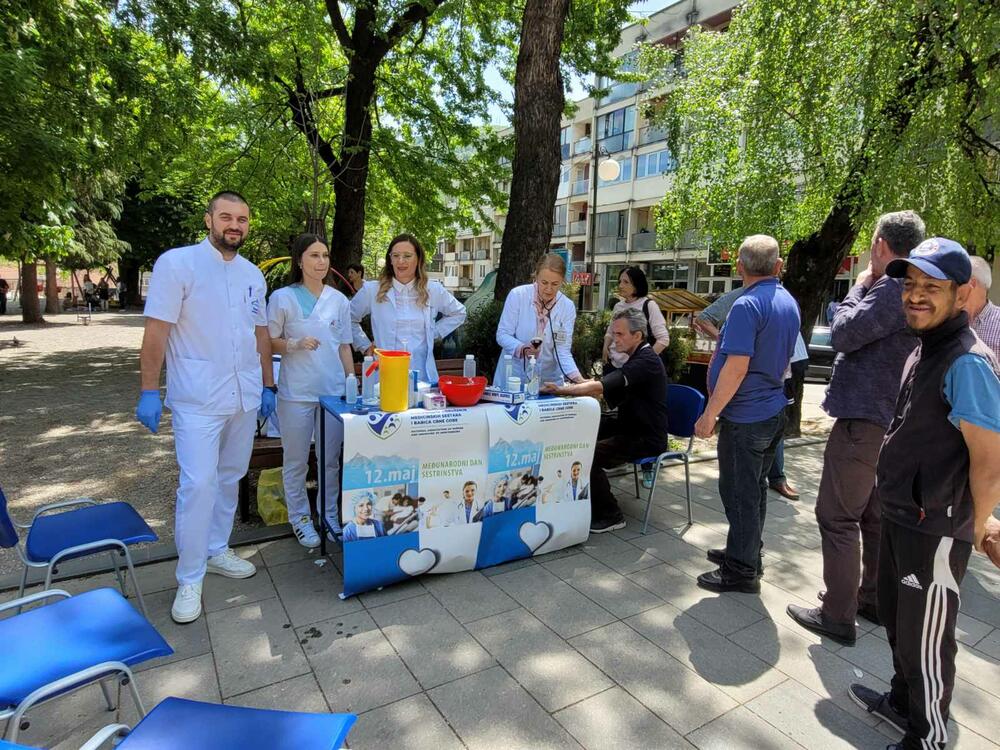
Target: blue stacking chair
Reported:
point(179, 724)
point(90, 528)
point(684, 406)
point(68, 644)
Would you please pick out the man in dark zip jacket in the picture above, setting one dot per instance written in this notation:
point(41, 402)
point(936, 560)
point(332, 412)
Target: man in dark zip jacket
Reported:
point(938, 480)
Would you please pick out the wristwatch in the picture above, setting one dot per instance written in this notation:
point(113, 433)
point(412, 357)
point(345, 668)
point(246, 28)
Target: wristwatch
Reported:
point(272, 388)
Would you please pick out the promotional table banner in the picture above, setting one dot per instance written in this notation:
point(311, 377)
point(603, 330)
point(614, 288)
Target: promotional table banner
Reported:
point(404, 477)
point(444, 491)
point(539, 463)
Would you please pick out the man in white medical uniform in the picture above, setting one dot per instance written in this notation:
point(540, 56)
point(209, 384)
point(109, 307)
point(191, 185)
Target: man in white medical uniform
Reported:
point(205, 314)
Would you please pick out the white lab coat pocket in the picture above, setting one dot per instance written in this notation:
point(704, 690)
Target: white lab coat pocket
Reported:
point(189, 381)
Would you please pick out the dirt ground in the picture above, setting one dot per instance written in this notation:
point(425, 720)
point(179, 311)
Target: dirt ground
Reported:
point(67, 399)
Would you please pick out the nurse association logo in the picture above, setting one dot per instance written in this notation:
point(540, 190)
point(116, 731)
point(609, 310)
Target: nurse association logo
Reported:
point(518, 413)
point(384, 424)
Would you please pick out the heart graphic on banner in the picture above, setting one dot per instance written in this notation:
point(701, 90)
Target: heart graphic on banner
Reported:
point(535, 534)
point(417, 562)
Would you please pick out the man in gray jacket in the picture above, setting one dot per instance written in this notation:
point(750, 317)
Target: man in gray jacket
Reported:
point(870, 334)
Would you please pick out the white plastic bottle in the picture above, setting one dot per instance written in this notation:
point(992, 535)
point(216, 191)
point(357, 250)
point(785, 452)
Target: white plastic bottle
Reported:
point(351, 389)
point(469, 366)
point(368, 395)
point(508, 370)
point(531, 375)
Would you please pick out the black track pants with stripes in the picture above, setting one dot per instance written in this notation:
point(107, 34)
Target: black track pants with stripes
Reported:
point(918, 580)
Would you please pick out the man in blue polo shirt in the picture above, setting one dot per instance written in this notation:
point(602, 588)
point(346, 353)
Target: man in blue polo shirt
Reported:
point(746, 380)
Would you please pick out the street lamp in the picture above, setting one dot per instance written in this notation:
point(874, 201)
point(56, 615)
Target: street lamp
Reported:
point(607, 170)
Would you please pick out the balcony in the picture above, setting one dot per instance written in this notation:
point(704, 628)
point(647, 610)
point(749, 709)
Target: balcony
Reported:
point(578, 227)
point(643, 242)
point(465, 282)
point(582, 146)
point(620, 91)
point(564, 150)
point(482, 255)
point(611, 244)
point(651, 134)
point(558, 230)
point(615, 143)
point(451, 282)
point(580, 187)
point(450, 256)
point(465, 255)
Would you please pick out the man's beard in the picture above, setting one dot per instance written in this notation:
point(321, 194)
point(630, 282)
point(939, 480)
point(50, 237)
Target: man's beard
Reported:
point(219, 240)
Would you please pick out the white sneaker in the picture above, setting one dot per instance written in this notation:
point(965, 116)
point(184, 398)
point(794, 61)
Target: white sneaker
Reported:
point(187, 603)
point(305, 532)
point(230, 565)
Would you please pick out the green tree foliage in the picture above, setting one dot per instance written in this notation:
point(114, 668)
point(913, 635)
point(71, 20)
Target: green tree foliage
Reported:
point(85, 99)
point(806, 120)
point(387, 98)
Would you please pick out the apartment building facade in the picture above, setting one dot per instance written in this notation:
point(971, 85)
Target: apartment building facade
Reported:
point(624, 232)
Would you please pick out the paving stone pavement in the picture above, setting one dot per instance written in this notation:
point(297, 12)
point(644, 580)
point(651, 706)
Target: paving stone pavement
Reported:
point(609, 644)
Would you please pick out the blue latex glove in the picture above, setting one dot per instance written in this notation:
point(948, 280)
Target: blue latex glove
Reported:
point(268, 402)
point(149, 410)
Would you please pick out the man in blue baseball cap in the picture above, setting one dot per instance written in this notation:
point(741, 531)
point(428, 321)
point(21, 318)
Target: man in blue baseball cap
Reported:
point(938, 480)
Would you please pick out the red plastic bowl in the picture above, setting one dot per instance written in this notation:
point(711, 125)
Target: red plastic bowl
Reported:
point(462, 391)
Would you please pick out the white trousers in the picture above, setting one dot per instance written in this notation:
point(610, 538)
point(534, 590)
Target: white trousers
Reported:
point(213, 453)
point(298, 422)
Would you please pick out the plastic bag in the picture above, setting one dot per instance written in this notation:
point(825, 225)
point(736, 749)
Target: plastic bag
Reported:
point(271, 497)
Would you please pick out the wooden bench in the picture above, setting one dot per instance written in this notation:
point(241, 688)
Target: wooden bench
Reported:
point(267, 454)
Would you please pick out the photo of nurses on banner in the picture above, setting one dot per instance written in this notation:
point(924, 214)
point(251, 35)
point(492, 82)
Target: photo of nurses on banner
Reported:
point(461, 489)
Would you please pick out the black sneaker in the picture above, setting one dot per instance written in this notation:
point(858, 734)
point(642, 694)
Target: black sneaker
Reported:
point(879, 705)
point(602, 525)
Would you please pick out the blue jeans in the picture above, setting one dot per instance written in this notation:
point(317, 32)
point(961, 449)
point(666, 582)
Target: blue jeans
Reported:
point(746, 452)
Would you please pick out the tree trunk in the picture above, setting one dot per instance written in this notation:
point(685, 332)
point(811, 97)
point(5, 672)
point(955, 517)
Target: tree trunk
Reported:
point(538, 106)
point(30, 310)
point(812, 266)
point(350, 173)
point(813, 261)
point(129, 272)
point(52, 302)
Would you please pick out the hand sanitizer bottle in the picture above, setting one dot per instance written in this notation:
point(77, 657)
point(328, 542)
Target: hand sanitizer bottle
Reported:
point(469, 366)
point(508, 370)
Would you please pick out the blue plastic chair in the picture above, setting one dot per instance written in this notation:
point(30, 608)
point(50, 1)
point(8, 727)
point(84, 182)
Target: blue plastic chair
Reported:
point(89, 529)
point(179, 724)
point(684, 406)
point(76, 641)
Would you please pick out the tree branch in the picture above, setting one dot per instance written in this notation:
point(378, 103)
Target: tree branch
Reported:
point(414, 13)
point(329, 93)
point(298, 101)
point(339, 27)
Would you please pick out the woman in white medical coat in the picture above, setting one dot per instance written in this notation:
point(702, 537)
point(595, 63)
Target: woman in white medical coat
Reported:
point(538, 320)
point(404, 306)
point(310, 326)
